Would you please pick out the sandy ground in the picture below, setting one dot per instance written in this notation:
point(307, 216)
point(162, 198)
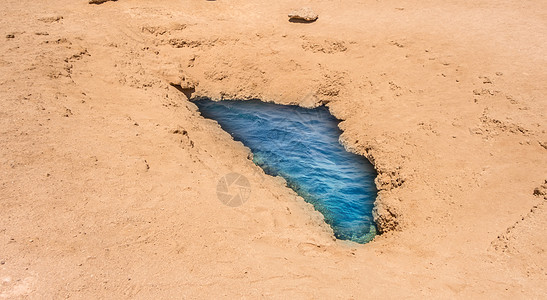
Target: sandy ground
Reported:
point(108, 174)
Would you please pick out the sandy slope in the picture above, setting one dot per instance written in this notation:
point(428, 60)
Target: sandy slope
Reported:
point(108, 174)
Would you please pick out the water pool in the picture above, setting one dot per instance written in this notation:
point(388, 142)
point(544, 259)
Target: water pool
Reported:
point(302, 145)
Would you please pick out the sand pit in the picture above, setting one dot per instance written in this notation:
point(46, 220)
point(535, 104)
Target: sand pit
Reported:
point(301, 146)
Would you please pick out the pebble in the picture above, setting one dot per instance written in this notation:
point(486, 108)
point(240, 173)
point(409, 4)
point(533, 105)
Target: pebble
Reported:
point(304, 13)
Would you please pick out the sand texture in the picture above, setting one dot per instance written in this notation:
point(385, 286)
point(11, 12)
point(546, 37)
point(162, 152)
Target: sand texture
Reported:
point(108, 178)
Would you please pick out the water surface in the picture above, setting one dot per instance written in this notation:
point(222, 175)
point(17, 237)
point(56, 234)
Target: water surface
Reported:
point(302, 146)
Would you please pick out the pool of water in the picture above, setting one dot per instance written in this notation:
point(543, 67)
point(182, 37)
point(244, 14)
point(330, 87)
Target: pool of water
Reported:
point(302, 145)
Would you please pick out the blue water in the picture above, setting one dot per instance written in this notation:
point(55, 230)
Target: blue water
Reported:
point(302, 146)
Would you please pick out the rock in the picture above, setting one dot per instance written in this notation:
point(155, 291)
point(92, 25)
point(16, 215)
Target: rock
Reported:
point(10, 36)
point(387, 218)
point(304, 14)
point(50, 19)
point(99, 1)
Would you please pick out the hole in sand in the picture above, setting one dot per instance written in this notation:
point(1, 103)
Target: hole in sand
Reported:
point(302, 145)
point(186, 91)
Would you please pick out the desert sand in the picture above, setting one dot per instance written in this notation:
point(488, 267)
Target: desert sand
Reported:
point(108, 172)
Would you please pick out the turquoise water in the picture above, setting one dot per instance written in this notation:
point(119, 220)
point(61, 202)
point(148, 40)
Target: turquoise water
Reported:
point(302, 146)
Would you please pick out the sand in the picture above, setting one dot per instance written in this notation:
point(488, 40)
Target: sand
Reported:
point(108, 173)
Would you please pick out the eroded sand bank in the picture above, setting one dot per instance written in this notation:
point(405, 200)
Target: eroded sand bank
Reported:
point(109, 174)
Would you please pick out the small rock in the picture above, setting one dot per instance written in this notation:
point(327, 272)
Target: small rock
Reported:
point(51, 19)
point(10, 36)
point(305, 14)
point(99, 1)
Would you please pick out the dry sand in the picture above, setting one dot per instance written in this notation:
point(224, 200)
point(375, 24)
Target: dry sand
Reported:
point(108, 174)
